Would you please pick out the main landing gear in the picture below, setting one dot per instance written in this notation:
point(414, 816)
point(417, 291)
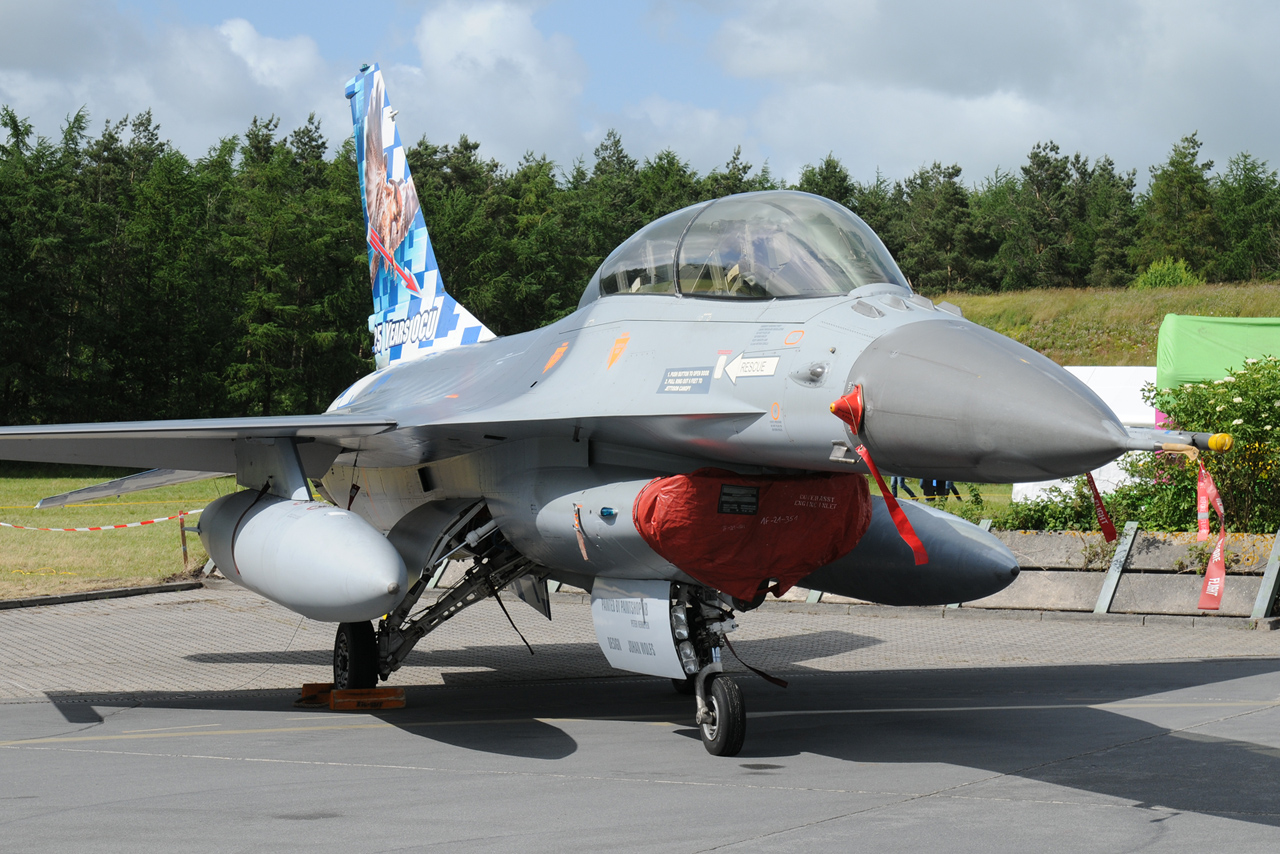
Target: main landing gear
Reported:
point(355, 656)
point(700, 622)
point(361, 655)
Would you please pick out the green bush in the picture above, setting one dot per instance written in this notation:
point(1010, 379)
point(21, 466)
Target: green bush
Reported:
point(1167, 273)
point(1246, 404)
point(1058, 509)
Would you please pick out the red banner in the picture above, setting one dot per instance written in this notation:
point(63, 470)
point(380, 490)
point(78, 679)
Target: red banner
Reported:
point(1215, 575)
point(1104, 519)
point(900, 520)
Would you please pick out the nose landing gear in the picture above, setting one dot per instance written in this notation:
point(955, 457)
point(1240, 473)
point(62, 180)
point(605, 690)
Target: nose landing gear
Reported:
point(701, 622)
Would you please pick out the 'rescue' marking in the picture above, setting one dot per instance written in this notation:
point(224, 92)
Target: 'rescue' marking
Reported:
point(753, 366)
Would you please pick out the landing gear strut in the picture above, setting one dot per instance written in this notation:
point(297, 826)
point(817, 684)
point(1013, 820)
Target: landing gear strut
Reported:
point(494, 565)
point(700, 621)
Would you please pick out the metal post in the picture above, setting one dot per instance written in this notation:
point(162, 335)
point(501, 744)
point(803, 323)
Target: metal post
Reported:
point(1112, 580)
point(182, 535)
point(1270, 582)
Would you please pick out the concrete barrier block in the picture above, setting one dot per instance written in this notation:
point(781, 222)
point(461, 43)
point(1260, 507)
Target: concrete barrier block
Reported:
point(1050, 549)
point(1049, 590)
point(1165, 593)
point(1163, 552)
point(1151, 552)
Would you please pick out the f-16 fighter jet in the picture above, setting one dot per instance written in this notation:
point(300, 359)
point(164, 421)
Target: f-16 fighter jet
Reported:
point(695, 437)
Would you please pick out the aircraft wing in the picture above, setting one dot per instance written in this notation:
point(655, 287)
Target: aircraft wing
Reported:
point(197, 444)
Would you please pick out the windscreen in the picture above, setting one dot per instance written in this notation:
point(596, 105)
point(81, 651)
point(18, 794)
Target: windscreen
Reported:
point(645, 263)
point(781, 244)
point(751, 246)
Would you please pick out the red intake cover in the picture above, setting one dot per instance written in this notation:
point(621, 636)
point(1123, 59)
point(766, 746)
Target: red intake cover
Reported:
point(733, 531)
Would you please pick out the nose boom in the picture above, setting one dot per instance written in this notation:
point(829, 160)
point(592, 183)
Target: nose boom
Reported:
point(951, 399)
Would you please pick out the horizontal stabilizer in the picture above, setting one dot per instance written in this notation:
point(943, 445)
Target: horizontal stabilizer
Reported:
point(126, 485)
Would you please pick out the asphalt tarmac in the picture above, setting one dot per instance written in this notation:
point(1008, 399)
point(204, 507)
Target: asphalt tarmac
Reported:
point(166, 723)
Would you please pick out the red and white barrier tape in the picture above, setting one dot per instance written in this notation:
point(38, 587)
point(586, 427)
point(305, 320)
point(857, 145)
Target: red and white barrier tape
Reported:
point(102, 527)
point(1215, 574)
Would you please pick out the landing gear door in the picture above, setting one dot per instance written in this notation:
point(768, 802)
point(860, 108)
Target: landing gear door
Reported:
point(633, 625)
point(533, 592)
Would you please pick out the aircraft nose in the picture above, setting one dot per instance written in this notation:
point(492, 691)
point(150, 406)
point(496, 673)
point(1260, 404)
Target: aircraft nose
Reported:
point(951, 399)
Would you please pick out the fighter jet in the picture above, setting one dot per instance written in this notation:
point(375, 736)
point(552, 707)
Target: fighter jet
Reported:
point(696, 436)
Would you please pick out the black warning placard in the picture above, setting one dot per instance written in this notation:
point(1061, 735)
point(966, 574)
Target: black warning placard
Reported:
point(739, 500)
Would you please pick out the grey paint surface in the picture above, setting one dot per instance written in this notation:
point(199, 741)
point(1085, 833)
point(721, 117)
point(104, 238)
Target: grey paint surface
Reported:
point(902, 733)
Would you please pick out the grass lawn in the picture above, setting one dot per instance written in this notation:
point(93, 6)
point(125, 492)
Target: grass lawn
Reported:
point(995, 497)
point(1096, 327)
point(40, 563)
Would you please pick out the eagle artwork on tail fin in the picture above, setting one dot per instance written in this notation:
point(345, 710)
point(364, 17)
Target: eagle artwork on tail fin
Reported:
point(391, 205)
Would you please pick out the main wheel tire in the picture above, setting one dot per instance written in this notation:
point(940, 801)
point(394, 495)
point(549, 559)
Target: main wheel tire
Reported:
point(684, 686)
point(355, 656)
point(724, 734)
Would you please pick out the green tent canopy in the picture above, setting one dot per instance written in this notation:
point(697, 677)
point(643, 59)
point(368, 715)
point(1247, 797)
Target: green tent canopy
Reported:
point(1195, 349)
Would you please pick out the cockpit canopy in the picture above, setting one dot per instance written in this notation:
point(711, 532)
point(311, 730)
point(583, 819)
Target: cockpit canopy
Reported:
point(767, 245)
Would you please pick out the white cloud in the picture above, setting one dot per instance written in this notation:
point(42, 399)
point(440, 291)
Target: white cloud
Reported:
point(704, 137)
point(488, 72)
point(889, 84)
point(901, 84)
point(283, 64)
point(201, 83)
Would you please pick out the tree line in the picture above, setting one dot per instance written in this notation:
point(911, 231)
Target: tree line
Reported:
point(136, 282)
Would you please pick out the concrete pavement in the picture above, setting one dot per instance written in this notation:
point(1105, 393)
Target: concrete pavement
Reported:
point(165, 722)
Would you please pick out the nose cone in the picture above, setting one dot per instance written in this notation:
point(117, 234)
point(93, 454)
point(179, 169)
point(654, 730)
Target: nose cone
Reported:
point(951, 399)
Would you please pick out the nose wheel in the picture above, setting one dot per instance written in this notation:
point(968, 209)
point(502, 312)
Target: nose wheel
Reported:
point(722, 715)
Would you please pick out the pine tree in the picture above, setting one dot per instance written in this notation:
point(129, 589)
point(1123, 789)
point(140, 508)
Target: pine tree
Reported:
point(1176, 217)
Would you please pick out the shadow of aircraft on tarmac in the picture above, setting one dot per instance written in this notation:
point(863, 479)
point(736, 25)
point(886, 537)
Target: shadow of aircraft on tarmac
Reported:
point(1041, 723)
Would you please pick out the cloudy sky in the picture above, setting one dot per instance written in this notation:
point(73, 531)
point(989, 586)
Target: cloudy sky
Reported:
point(887, 85)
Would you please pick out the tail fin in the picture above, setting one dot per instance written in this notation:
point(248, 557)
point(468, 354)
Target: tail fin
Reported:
point(412, 315)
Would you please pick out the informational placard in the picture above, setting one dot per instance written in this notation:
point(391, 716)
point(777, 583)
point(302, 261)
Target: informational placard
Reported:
point(633, 625)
